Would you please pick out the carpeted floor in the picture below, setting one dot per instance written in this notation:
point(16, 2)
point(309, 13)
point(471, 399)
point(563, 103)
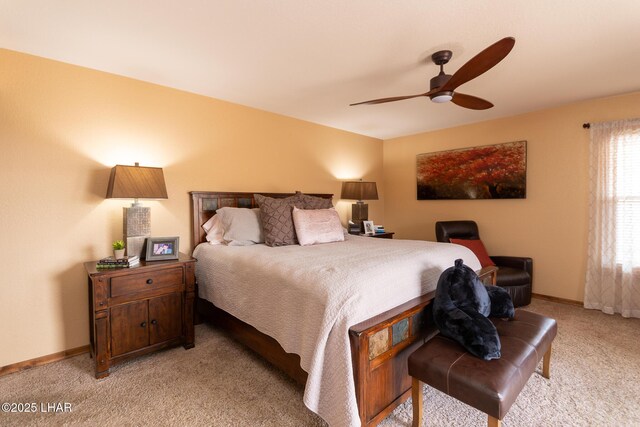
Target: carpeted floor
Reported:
point(595, 380)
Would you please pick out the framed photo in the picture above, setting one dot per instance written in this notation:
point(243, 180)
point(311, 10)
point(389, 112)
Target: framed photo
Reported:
point(369, 230)
point(162, 248)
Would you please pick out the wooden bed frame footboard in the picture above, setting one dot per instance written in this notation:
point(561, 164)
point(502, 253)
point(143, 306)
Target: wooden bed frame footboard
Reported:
point(380, 346)
point(379, 359)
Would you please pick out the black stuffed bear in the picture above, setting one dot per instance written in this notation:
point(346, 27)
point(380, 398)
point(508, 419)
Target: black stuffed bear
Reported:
point(462, 305)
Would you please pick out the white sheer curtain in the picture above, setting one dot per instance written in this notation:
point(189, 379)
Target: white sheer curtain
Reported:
point(613, 265)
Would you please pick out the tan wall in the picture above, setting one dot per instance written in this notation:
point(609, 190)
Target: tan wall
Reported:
point(550, 225)
point(63, 127)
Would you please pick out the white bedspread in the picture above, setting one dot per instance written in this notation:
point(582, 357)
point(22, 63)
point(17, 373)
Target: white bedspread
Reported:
point(308, 297)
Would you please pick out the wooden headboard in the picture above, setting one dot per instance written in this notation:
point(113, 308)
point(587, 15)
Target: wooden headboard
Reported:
point(205, 203)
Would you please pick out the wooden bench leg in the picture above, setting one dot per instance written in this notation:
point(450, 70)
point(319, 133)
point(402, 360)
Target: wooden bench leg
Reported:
point(494, 422)
point(546, 364)
point(416, 396)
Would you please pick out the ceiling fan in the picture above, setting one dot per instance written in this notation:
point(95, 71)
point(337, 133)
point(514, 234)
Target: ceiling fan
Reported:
point(443, 86)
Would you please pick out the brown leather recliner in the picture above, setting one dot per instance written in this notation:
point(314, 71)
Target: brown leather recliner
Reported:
point(515, 274)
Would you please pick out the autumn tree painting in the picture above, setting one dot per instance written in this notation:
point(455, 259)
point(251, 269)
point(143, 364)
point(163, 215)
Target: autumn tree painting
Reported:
point(488, 172)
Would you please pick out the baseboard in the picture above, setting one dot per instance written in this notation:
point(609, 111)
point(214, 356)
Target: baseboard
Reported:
point(556, 299)
point(42, 360)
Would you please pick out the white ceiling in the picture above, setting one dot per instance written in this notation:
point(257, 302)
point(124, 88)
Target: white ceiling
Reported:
point(309, 59)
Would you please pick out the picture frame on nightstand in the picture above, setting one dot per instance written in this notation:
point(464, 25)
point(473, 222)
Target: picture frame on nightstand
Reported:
point(162, 248)
point(369, 229)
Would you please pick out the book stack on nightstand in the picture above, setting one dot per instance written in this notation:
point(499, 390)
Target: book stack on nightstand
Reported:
point(381, 233)
point(112, 262)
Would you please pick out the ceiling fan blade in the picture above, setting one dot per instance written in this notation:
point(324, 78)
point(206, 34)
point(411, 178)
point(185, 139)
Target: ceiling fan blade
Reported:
point(480, 63)
point(395, 98)
point(472, 102)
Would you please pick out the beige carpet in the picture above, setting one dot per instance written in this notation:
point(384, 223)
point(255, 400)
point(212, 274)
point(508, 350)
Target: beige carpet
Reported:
point(595, 382)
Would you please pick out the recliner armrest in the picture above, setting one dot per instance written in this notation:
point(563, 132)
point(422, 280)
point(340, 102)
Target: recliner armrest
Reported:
point(521, 263)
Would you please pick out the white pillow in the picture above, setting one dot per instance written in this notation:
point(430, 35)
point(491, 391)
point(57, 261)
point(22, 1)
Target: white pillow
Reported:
point(317, 226)
point(214, 230)
point(240, 226)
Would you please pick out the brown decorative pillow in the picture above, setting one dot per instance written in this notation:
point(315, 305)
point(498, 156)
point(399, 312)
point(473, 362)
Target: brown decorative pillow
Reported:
point(313, 202)
point(277, 223)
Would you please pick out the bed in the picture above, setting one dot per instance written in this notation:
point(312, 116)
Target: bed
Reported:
point(349, 347)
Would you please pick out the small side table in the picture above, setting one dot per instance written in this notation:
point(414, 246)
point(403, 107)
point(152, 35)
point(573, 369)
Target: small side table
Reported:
point(385, 235)
point(137, 310)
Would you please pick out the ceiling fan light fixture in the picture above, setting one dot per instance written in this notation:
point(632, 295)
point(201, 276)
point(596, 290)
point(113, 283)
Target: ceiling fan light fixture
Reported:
point(442, 97)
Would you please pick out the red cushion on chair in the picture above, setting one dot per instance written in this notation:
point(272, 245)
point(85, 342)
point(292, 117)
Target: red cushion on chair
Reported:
point(477, 248)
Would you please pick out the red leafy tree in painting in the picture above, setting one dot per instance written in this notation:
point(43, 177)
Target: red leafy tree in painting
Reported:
point(490, 172)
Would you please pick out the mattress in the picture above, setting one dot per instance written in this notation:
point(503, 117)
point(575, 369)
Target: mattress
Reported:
point(307, 297)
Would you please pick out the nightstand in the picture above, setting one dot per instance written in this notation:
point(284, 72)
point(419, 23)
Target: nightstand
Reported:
point(138, 310)
point(385, 235)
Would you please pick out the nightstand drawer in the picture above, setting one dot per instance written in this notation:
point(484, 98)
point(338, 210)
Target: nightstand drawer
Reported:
point(146, 281)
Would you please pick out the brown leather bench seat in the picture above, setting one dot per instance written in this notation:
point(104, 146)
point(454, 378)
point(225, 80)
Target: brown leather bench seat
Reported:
point(489, 386)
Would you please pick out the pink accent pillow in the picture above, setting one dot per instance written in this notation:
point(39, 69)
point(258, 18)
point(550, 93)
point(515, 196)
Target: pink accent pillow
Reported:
point(477, 248)
point(315, 226)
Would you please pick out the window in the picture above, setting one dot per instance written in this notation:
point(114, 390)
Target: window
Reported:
point(613, 264)
point(627, 196)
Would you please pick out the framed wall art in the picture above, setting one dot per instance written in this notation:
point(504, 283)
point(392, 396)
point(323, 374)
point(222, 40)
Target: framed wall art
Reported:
point(487, 172)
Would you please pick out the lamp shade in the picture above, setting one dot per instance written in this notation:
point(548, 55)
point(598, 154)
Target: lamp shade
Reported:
point(359, 190)
point(136, 182)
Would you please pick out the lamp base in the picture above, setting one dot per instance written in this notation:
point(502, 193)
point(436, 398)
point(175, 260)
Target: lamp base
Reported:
point(135, 245)
point(359, 213)
point(136, 228)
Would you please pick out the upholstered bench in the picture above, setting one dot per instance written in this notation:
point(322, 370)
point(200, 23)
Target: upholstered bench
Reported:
point(489, 386)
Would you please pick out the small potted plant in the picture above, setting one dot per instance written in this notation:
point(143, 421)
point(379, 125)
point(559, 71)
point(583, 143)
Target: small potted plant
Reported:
point(118, 249)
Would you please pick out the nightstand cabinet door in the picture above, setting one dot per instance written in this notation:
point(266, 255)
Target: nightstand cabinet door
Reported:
point(165, 318)
point(129, 327)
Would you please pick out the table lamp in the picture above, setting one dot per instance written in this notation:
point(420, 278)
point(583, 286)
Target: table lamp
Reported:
point(359, 190)
point(136, 182)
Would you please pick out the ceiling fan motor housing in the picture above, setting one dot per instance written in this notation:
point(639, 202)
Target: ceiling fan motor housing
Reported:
point(439, 81)
point(440, 58)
